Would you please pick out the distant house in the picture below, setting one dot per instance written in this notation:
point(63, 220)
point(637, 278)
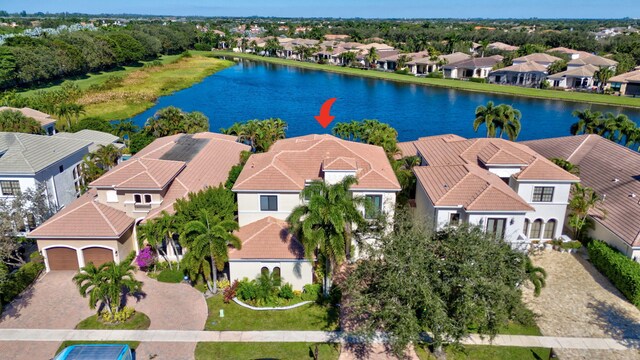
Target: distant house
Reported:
point(504, 187)
point(426, 65)
point(540, 58)
point(500, 46)
point(528, 74)
point(574, 78)
point(471, 68)
point(97, 138)
point(612, 170)
point(334, 37)
point(46, 121)
point(390, 62)
point(627, 83)
point(572, 54)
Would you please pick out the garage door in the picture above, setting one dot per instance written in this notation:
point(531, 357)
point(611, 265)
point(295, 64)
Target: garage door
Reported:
point(97, 255)
point(62, 258)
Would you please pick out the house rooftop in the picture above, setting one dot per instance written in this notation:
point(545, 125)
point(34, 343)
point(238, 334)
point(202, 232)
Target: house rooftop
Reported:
point(538, 58)
point(96, 137)
point(290, 163)
point(612, 170)
point(29, 154)
point(592, 60)
point(136, 173)
point(43, 118)
point(502, 46)
point(474, 63)
point(267, 238)
point(529, 66)
point(631, 76)
point(582, 71)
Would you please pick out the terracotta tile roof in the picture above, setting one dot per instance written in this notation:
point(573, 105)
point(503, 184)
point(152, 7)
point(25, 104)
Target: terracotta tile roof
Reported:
point(474, 63)
point(85, 218)
point(339, 163)
point(524, 67)
point(567, 51)
point(502, 46)
point(543, 169)
point(631, 76)
point(592, 60)
point(538, 58)
point(601, 162)
point(407, 148)
point(43, 118)
point(581, 71)
point(267, 238)
point(140, 173)
point(290, 162)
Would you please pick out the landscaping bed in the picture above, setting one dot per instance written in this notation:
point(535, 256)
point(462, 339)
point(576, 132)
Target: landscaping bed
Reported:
point(139, 321)
point(282, 351)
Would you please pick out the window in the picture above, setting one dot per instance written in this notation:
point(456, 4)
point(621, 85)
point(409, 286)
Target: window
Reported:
point(276, 275)
point(454, 219)
point(542, 194)
point(61, 168)
point(264, 270)
point(525, 229)
point(496, 227)
point(536, 229)
point(142, 198)
point(137, 198)
point(10, 187)
point(373, 206)
point(549, 229)
point(268, 203)
point(147, 198)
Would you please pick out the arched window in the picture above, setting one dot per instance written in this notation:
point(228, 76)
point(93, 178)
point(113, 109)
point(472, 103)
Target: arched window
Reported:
point(549, 229)
point(536, 229)
point(276, 275)
point(525, 229)
point(264, 270)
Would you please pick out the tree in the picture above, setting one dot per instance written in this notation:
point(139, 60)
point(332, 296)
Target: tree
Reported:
point(324, 223)
point(259, 134)
point(371, 132)
point(107, 282)
point(15, 121)
point(272, 46)
point(566, 166)
point(557, 66)
point(124, 129)
point(348, 57)
point(484, 44)
point(171, 120)
point(584, 201)
point(602, 76)
point(217, 201)
point(413, 279)
point(487, 115)
point(509, 122)
point(536, 275)
point(372, 56)
point(106, 156)
point(588, 122)
point(403, 60)
point(92, 123)
point(152, 234)
point(211, 237)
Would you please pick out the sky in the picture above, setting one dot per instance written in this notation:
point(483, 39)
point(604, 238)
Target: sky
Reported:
point(344, 8)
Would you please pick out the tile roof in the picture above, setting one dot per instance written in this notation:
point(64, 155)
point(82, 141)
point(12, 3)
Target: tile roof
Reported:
point(140, 173)
point(581, 71)
point(502, 46)
point(267, 238)
point(592, 60)
point(524, 67)
point(474, 63)
point(28, 153)
point(43, 118)
point(631, 76)
point(85, 218)
point(601, 162)
point(538, 58)
point(96, 137)
point(291, 162)
point(567, 51)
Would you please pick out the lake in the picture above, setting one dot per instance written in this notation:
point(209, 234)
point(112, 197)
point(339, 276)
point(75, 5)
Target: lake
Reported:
point(257, 90)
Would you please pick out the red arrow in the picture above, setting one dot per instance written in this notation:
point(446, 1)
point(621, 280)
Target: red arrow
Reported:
point(324, 118)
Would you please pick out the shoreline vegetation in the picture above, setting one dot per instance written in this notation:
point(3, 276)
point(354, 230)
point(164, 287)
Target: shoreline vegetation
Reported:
point(127, 92)
point(544, 94)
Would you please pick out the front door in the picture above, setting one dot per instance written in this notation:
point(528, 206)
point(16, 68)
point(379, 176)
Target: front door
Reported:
point(496, 226)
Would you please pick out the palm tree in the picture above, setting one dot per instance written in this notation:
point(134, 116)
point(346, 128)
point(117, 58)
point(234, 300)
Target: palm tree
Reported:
point(243, 44)
point(485, 45)
point(372, 57)
point(348, 57)
point(168, 227)
point(90, 284)
point(536, 275)
point(603, 75)
point(211, 237)
point(151, 233)
point(566, 166)
point(452, 40)
point(588, 122)
point(403, 60)
point(323, 224)
point(107, 156)
point(487, 115)
point(509, 122)
point(583, 201)
point(617, 127)
point(64, 111)
point(124, 128)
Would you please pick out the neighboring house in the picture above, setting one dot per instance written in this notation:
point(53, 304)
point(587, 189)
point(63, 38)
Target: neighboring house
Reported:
point(539, 58)
point(593, 60)
point(97, 138)
point(46, 121)
point(269, 188)
point(471, 68)
point(627, 83)
point(426, 65)
point(574, 78)
point(100, 226)
point(504, 187)
point(612, 170)
point(391, 62)
point(572, 54)
point(528, 74)
point(27, 160)
point(500, 46)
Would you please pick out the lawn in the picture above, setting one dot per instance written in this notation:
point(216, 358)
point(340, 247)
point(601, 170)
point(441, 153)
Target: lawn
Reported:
point(236, 317)
point(483, 352)
point(139, 321)
point(283, 351)
point(452, 83)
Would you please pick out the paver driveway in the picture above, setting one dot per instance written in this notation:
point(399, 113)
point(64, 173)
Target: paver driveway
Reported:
point(54, 303)
point(579, 301)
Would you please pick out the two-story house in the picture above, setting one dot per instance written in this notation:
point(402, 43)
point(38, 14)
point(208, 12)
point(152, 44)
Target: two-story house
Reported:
point(504, 187)
point(100, 225)
point(269, 187)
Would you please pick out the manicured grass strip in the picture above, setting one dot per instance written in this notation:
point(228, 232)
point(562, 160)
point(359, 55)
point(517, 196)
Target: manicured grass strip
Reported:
point(451, 83)
point(139, 321)
point(281, 351)
point(132, 344)
point(485, 352)
point(236, 317)
point(519, 329)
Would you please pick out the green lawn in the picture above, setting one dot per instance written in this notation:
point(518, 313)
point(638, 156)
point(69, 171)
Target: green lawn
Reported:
point(132, 344)
point(236, 317)
point(292, 351)
point(139, 321)
point(451, 83)
point(482, 352)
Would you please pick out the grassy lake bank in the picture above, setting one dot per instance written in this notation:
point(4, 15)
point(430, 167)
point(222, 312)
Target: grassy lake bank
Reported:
point(449, 83)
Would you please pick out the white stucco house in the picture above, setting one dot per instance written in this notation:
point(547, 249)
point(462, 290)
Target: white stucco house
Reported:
point(269, 188)
point(504, 187)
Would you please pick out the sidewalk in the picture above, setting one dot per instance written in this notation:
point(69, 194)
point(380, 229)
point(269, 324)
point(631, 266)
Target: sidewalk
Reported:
point(296, 336)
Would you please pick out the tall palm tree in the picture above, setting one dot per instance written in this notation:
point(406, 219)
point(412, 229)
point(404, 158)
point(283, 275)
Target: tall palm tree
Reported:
point(603, 75)
point(151, 233)
point(403, 60)
point(90, 284)
point(124, 128)
point(107, 156)
point(211, 237)
point(617, 127)
point(168, 227)
point(323, 224)
point(64, 111)
point(372, 57)
point(588, 122)
point(583, 201)
point(487, 115)
point(508, 122)
point(485, 45)
point(536, 275)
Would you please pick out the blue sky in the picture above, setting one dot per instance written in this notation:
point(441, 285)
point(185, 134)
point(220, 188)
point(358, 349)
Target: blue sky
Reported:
point(344, 8)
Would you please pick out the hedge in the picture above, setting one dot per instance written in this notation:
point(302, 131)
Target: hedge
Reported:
point(622, 271)
point(171, 276)
point(19, 281)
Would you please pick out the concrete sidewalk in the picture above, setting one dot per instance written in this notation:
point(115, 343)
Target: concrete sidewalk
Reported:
point(296, 336)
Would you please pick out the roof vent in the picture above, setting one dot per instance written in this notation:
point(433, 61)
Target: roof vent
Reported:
point(616, 179)
point(632, 195)
point(445, 186)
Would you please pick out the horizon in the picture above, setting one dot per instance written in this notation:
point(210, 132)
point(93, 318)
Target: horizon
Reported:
point(336, 9)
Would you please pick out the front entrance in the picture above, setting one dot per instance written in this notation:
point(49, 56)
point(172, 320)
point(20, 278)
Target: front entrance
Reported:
point(97, 255)
point(496, 226)
point(62, 258)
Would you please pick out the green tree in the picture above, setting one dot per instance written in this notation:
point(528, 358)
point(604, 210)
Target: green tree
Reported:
point(584, 201)
point(324, 223)
point(509, 122)
point(489, 116)
point(536, 275)
point(372, 56)
point(15, 121)
point(171, 120)
point(92, 123)
point(217, 201)
point(602, 76)
point(259, 134)
point(557, 66)
point(566, 166)
point(588, 122)
point(210, 237)
point(124, 129)
point(272, 46)
point(403, 60)
point(348, 57)
point(106, 156)
point(371, 132)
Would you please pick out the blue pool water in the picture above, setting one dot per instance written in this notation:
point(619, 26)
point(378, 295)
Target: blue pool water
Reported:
point(257, 90)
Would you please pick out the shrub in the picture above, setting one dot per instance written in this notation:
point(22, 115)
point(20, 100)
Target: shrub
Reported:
point(247, 290)
point(575, 244)
point(117, 317)
point(312, 292)
point(223, 284)
point(435, 74)
point(19, 281)
point(171, 276)
point(266, 286)
point(478, 80)
point(623, 272)
point(145, 258)
point(286, 291)
point(230, 292)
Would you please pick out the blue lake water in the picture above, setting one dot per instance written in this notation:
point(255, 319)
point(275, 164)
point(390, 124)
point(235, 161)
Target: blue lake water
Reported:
point(257, 90)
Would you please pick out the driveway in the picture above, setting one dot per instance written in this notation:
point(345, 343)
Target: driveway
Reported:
point(579, 301)
point(53, 302)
